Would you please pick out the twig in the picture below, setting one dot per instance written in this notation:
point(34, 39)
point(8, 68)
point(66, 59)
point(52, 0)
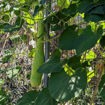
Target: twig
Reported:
point(4, 44)
point(99, 79)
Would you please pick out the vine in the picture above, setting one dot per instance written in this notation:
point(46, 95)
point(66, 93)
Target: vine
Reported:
point(62, 69)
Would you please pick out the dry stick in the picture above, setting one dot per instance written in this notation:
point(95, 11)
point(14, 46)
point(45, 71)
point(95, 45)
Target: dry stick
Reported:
point(99, 79)
point(4, 44)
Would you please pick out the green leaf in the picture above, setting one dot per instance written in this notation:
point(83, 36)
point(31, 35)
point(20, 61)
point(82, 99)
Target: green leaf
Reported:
point(30, 1)
point(19, 38)
point(93, 18)
point(70, 11)
point(98, 10)
point(67, 38)
point(52, 18)
point(95, 13)
point(44, 98)
point(3, 97)
point(12, 72)
point(87, 39)
point(25, 8)
point(63, 3)
point(63, 87)
point(5, 18)
point(3, 5)
point(74, 62)
point(17, 12)
point(24, 38)
point(85, 5)
point(18, 67)
point(10, 28)
point(64, 14)
point(53, 64)
point(70, 39)
point(37, 98)
point(19, 21)
point(56, 55)
point(28, 98)
point(6, 58)
point(102, 41)
point(101, 87)
point(21, 1)
point(50, 67)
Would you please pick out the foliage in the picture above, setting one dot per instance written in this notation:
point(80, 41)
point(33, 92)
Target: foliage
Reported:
point(3, 97)
point(37, 98)
point(68, 76)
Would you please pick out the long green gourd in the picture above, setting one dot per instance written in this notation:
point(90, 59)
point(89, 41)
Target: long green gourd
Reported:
point(38, 59)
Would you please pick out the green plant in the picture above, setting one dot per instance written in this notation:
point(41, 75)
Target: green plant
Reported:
point(69, 76)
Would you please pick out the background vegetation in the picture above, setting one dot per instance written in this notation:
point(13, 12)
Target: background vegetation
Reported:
point(52, 52)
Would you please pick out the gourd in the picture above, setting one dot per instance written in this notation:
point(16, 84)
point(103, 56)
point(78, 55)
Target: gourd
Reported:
point(38, 59)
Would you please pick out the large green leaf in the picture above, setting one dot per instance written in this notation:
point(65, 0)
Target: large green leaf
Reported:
point(98, 10)
point(44, 98)
point(70, 39)
point(85, 5)
point(50, 67)
point(67, 38)
point(87, 39)
point(101, 87)
point(53, 64)
point(93, 18)
point(95, 13)
point(28, 98)
point(63, 87)
point(37, 98)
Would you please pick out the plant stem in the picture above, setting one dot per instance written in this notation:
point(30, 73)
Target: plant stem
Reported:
point(99, 79)
point(47, 45)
